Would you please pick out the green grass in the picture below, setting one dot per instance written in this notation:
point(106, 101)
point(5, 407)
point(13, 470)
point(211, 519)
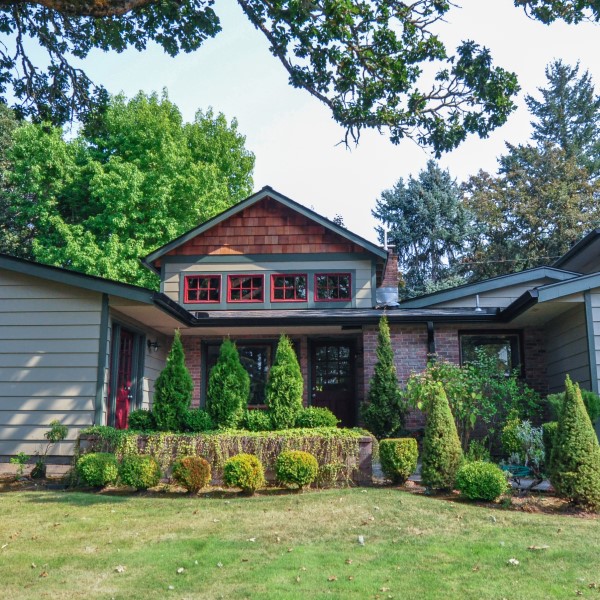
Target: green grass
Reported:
point(415, 547)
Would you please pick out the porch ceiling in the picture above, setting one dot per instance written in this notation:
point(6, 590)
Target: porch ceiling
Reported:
point(542, 312)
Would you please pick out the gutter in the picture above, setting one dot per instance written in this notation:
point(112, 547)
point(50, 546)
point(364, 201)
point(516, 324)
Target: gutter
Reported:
point(519, 306)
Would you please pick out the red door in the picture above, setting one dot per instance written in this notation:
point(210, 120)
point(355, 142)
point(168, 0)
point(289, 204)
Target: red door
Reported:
point(333, 379)
point(124, 396)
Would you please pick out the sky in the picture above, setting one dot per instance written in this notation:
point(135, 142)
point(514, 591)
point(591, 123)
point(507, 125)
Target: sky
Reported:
point(295, 140)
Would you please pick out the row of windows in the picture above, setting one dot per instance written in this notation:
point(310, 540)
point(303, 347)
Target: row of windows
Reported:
point(328, 287)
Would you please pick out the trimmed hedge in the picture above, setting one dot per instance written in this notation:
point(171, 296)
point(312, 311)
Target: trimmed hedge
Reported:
point(481, 481)
point(97, 469)
point(295, 467)
point(139, 471)
point(398, 458)
point(316, 416)
point(244, 471)
point(192, 472)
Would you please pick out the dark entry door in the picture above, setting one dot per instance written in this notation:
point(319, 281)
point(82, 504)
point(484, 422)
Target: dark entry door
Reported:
point(124, 395)
point(333, 386)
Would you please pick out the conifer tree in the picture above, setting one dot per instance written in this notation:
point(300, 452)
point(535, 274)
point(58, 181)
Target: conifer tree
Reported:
point(575, 460)
point(228, 388)
point(172, 390)
point(383, 415)
point(284, 386)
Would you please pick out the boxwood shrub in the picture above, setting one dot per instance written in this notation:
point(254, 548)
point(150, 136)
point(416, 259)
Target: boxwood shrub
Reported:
point(196, 420)
point(296, 468)
point(244, 471)
point(398, 458)
point(140, 471)
point(316, 416)
point(141, 420)
point(192, 472)
point(257, 420)
point(481, 481)
point(97, 468)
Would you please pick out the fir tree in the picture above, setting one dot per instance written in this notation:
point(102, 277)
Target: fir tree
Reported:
point(172, 390)
point(284, 386)
point(383, 415)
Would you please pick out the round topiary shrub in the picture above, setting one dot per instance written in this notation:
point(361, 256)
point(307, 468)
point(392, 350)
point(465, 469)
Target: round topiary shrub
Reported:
point(141, 420)
point(244, 471)
point(257, 420)
point(481, 481)
point(192, 472)
point(97, 469)
point(296, 468)
point(398, 458)
point(315, 416)
point(140, 471)
point(196, 420)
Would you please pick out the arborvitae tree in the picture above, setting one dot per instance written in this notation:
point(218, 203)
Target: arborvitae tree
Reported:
point(383, 414)
point(228, 388)
point(172, 390)
point(284, 386)
point(442, 453)
point(575, 460)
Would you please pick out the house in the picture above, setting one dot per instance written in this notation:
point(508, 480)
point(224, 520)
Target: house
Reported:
point(86, 350)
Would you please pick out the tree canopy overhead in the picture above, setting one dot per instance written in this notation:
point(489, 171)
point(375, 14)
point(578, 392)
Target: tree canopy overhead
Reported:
point(364, 59)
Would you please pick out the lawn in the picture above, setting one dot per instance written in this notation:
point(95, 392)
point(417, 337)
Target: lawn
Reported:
point(83, 545)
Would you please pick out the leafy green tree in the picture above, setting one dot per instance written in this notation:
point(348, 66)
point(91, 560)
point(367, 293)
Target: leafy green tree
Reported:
point(172, 390)
point(383, 413)
point(428, 226)
point(228, 387)
point(284, 386)
point(132, 180)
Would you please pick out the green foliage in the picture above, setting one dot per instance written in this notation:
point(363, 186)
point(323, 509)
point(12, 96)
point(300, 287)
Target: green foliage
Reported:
point(285, 386)
point(139, 471)
point(97, 469)
point(192, 473)
point(244, 471)
point(548, 434)
point(257, 420)
point(590, 400)
point(196, 420)
point(172, 390)
point(141, 420)
point(20, 459)
point(478, 451)
point(130, 181)
point(228, 387)
point(509, 438)
point(383, 413)
point(481, 481)
point(529, 446)
point(442, 454)
point(575, 460)
point(296, 468)
point(57, 432)
point(428, 224)
point(316, 416)
point(398, 458)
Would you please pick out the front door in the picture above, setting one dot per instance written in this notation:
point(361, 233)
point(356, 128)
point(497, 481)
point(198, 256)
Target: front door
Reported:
point(332, 378)
point(123, 394)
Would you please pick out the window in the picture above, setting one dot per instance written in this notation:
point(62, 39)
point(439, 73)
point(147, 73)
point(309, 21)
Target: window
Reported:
point(202, 288)
point(246, 288)
point(333, 287)
point(504, 348)
point(288, 288)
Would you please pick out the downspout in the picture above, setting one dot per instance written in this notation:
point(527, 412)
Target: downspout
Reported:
point(430, 341)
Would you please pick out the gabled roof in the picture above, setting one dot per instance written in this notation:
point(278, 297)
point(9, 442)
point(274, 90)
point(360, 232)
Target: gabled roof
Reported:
point(265, 192)
point(481, 287)
point(580, 252)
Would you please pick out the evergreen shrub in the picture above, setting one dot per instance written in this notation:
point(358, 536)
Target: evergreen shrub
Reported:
point(244, 471)
point(97, 469)
point(481, 481)
point(590, 400)
point(316, 416)
point(140, 471)
point(575, 460)
point(284, 386)
point(257, 420)
point(172, 390)
point(192, 473)
point(228, 388)
point(548, 435)
point(442, 452)
point(295, 467)
point(398, 458)
point(196, 420)
point(141, 420)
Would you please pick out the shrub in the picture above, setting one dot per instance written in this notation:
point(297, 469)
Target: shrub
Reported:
point(172, 390)
point(284, 386)
point(192, 472)
point(509, 439)
point(315, 416)
point(590, 400)
point(442, 453)
point(398, 458)
point(139, 471)
point(329, 474)
point(548, 435)
point(56, 433)
point(257, 420)
point(228, 388)
point(196, 420)
point(575, 460)
point(481, 481)
point(141, 420)
point(244, 471)
point(97, 468)
point(295, 467)
point(478, 451)
point(383, 414)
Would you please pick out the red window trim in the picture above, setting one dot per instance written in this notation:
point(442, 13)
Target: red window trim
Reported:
point(186, 288)
point(274, 275)
point(317, 299)
point(262, 288)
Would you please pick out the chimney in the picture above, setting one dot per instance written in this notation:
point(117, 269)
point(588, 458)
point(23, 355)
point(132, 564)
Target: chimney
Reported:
point(387, 292)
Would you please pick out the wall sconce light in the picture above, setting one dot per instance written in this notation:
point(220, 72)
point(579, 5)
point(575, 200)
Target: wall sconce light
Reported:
point(153, 345)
